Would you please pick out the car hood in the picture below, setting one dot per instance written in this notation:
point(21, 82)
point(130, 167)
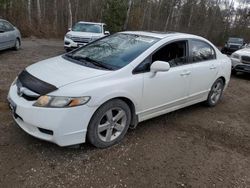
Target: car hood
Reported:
point(84, 34)
point(244, 51)
point(60, 72)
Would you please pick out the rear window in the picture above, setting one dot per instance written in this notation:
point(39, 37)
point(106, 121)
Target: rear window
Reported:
point(201, 51)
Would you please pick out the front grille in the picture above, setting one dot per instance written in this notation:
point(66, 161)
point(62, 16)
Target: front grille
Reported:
point(234, 46)
point(29, 98)
point(245, 59)
point(80, 40)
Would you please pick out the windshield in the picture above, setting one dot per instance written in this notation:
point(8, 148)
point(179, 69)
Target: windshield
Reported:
point(87, 27)
point(115, 51)
point(235, 40)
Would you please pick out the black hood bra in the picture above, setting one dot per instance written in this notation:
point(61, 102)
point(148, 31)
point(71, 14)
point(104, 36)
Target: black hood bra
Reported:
point(25, 79)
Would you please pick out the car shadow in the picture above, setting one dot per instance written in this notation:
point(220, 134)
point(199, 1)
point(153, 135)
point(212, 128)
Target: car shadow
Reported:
point(239, 75)
point(10, 50)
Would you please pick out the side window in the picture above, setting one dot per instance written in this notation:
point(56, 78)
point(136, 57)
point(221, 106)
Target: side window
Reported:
point(8, 27)
point(2, 27)
point(201, 51)
point(174, 53)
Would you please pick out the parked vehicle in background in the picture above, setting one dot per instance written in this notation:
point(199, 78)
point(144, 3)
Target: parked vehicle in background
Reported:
point(10, 36)
point(96, 92)
point(241, 60)
point(82, 33)
point(232, 45)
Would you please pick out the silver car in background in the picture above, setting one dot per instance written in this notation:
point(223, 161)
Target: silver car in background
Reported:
point(10, 36)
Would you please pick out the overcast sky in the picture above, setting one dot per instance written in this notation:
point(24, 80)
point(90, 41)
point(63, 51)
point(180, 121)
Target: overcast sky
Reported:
point(237, 2)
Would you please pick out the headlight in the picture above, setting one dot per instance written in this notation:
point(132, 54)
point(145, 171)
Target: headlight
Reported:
point(236, 56)
point(60, 102)
point(68, 36)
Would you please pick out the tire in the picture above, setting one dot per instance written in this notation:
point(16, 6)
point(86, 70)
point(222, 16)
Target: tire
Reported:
point(215, 93)
point(109, 124)
point(234, 72)
point(17, 45)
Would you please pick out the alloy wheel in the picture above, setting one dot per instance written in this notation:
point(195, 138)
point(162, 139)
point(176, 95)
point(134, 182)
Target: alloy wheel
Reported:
point(112, 124)
point(216, 92)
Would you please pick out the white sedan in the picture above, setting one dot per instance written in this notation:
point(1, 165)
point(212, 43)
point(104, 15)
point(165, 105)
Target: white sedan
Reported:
point(241, 60)
point(97, 92)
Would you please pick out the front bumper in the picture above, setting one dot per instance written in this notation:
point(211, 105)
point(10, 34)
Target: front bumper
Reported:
point(62, 126)
point(238, 66)
point(70, 44)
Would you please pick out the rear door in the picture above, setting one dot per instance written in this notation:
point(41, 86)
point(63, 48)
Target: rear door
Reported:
point(204, 68)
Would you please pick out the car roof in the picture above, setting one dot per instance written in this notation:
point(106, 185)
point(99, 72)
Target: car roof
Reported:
point(91, 22)
point(161, 35)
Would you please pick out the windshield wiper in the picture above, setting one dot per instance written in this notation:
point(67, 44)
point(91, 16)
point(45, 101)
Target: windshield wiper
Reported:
point(96, 63)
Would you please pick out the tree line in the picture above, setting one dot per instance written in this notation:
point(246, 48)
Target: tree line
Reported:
point(212, 19)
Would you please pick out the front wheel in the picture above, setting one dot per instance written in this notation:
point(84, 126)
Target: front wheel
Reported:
point(215, 93)
point(109, 124)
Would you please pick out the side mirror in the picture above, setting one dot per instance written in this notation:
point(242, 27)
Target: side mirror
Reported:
point(69, 29)
point(159, 66)
point(106, 33)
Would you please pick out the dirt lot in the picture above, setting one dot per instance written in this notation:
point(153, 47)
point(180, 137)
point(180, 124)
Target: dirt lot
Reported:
point(193, 147)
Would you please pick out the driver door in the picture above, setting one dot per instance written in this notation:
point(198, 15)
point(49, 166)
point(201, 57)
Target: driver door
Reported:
point(166, 91)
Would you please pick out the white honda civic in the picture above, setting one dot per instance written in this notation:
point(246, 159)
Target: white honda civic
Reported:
point(97, 92)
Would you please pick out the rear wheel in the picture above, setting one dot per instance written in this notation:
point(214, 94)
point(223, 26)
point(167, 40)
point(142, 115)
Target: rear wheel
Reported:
point(109, 124)
point(17, 44)
point(215, 93)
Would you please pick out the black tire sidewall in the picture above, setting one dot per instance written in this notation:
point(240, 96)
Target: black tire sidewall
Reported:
point(92, 135)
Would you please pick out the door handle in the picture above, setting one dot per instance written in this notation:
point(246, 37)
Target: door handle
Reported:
point(186, 73)
point(213, 67)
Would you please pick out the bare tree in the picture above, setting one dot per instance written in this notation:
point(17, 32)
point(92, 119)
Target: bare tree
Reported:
point(38, 11)
point(70, 19)
point(128, 14)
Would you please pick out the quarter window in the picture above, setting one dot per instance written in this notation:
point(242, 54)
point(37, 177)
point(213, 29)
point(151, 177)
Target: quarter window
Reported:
point(201, 51)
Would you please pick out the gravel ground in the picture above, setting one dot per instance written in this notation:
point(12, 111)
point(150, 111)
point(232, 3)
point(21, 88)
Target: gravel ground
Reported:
point(193, 147)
